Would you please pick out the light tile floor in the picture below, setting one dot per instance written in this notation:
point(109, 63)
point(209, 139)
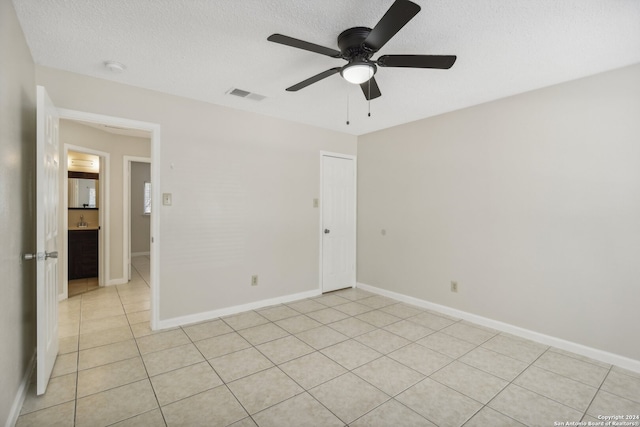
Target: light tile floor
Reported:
point(347, 358)
point(80, 286)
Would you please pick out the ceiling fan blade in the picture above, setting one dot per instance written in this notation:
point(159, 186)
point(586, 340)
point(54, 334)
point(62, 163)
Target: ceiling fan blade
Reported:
point(301, 44)
point(443, 62)
point(370, 89)
point(314, 79)
point(400, 12)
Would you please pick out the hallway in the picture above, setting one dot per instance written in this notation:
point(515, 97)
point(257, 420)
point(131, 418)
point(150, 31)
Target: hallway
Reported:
point(97, 331)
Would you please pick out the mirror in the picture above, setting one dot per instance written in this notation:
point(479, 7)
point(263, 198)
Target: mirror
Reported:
point(83, 193)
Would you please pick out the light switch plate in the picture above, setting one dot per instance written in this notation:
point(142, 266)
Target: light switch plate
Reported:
point(166, 199)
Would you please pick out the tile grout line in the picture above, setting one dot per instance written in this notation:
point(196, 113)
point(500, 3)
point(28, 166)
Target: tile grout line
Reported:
point(569, 378)
point(382, 355)
point(139, 355)
point(349, 371)
point(305, 390)
point(117, 291)
point(584, 413)
point(275, 365)
point(580, 358)
point(596, 393)
point(135, 340)
point(75, 400)
point(224, 383)
point(457, 359)
point(510, 383)
point(547, 350)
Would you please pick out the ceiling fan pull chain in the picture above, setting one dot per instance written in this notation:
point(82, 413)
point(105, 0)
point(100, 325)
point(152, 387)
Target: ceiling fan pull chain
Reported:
point(369, 99)
point(347, 109)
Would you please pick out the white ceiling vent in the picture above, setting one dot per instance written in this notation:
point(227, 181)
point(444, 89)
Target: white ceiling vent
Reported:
point(245, 94)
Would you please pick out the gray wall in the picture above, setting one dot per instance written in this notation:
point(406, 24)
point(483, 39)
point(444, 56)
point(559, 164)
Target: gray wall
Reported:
point(531, 203)
point(17, 211)
point(140, 223)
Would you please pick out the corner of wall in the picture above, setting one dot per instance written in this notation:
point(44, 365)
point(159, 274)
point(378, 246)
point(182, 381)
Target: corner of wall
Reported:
point(21, 393)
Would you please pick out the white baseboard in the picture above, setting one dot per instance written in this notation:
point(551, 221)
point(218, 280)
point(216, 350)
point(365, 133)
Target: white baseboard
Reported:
point(209, 315)
point(593, 353)
point(120, 281)
point(140, 254)
point(21, 394)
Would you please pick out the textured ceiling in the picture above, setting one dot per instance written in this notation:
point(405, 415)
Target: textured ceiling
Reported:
point(201, 49)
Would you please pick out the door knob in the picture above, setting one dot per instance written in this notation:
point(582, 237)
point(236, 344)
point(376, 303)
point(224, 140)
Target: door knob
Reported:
point(327, 231)
point(41, 256)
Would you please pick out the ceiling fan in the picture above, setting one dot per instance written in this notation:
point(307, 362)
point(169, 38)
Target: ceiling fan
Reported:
point(357, 46)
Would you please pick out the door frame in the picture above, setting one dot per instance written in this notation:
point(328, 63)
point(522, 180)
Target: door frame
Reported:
point(154, 130)
point(353, 157)
point(126, 209)
point(103, 216)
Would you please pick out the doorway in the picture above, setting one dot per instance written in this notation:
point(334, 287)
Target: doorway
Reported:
point(152, 132)
point(337, 221)
point(136, 209)
point(85, 177)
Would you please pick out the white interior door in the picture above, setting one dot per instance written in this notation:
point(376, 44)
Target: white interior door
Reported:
point(338, 222)
point(47, 165)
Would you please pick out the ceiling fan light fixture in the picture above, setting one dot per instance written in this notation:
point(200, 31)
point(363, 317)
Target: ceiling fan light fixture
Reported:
point(358, 72)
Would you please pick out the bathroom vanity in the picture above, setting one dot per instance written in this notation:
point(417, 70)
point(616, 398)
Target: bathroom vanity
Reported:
point(83, 253)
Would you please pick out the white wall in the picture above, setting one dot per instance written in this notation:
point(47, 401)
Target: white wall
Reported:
point(17, 212)
point(243, 187)
point(140, 223)
point(117, 146)
point(531, 203)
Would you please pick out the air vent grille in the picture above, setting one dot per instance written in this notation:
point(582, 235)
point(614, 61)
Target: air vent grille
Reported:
point(245, 94)
point(239, 92)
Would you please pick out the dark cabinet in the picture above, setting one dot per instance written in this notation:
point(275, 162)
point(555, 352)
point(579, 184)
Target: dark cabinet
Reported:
point(83, 254)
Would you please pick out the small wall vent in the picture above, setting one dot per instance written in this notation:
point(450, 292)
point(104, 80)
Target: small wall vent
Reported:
point(245, 94)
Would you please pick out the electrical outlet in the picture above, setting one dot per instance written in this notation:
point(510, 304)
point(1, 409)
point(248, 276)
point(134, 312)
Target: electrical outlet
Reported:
point(254, 280)
point(454, 286)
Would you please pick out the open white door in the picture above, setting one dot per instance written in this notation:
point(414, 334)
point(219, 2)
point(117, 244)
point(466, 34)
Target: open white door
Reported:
point(338, 222)
point(47, 165)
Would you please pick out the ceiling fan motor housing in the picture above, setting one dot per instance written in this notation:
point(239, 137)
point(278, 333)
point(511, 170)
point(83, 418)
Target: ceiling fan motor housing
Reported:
point(351, 44)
